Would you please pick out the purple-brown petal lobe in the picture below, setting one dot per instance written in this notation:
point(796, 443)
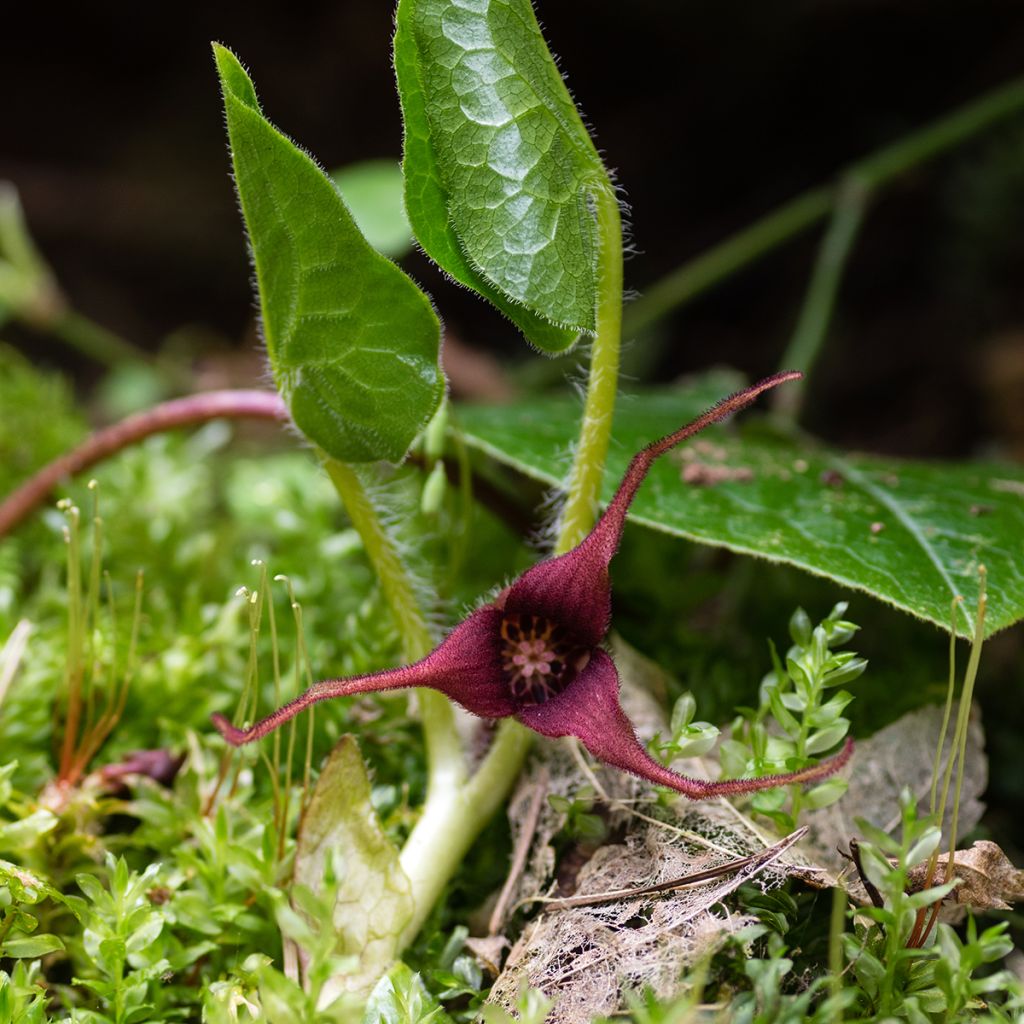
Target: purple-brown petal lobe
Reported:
point(574, 588)
point(465, 666)
point(589, 709)
point(568, 589)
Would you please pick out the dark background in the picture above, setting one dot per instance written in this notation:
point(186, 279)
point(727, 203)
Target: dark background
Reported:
point(711, 113)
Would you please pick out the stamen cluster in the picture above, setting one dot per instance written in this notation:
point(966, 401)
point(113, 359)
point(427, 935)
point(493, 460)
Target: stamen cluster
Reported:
point(539, 657)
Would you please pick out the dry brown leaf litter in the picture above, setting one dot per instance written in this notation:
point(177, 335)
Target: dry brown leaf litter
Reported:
point(988, 880)
point(585, 958)
point(897, 757)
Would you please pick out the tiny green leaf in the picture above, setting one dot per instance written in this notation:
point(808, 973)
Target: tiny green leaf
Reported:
point(17, 835)
point(800, 628)
point(400, 997)
point(825, 794)
point(500, 171)
point(926, 897)
point(924, 847)
point(353, 343)
point(826, 738)
point(782, 714)
point(912, 534)
point(30, 947)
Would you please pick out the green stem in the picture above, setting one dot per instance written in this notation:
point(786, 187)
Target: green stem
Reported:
point(446, 766)
point(964, 716)
point(819, 302)
point(587, 474)
point(789, 220)
point(720, 262)
point(958, 745)
point(837, 923)
point(933, 807)
point(103, 346)
point(452, 819)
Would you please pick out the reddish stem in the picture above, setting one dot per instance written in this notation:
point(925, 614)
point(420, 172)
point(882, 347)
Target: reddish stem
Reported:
point(180, 412)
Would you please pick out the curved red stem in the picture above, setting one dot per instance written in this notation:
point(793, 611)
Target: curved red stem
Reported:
point(179, 412)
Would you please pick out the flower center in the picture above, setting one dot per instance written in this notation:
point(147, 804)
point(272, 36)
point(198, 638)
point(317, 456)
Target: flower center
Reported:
point(539, 657)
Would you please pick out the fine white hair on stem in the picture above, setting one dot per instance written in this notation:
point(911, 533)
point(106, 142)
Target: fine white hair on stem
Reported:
point(384, 492)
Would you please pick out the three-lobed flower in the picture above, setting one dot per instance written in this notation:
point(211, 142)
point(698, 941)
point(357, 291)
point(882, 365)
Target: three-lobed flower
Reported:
point(535, 653)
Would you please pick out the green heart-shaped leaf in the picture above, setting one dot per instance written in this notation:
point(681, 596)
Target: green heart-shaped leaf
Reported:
point(353, 343)
point(500, 170)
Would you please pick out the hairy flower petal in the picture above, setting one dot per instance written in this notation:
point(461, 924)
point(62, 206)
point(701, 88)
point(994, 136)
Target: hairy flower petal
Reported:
point(568, 589)
point(574, 588)
point(534, 652)
point(589, 709)
point(465, 666)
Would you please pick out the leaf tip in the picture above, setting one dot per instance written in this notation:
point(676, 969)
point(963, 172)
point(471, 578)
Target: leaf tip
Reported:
point(234, 79)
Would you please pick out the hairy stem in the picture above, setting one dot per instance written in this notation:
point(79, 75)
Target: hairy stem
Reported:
point(581, 502)
point(716, 264)
point(181, 412)
point(451, 821)
point(445, 762)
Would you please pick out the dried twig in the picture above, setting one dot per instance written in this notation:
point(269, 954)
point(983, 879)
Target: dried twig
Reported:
point(746, 867)
point(521, 851)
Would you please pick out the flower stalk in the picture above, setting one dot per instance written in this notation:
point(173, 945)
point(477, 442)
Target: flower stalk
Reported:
point(445, 762)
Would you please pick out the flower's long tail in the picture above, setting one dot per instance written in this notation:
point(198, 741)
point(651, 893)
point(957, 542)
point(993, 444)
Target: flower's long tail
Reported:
point(604, 538)
point(464, 667)
point(591, 711)
point(699, 789)
point(391, 679)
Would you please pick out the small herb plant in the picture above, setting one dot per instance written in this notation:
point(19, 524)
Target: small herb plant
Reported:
point(797, 717)
point(159, 874)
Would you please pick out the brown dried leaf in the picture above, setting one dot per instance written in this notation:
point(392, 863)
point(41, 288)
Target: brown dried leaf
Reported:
point(988, 880)
point(897, 757)
point(489, 952)
point(585, 957)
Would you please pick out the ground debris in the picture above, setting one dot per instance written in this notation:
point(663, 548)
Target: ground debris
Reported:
point(988, 880)
point(584, 958)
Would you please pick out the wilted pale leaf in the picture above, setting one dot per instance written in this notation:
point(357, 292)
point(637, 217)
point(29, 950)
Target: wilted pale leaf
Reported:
point(374, 899)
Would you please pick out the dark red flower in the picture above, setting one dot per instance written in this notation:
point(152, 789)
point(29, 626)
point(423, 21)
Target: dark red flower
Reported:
point(535, 652)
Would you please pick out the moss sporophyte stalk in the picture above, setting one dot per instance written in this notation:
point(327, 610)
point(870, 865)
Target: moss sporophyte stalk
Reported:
point(535, 654)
